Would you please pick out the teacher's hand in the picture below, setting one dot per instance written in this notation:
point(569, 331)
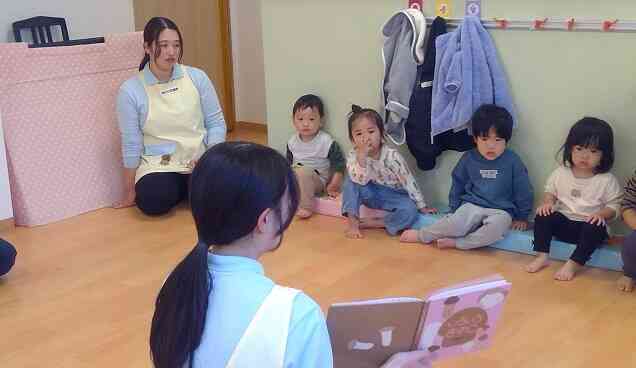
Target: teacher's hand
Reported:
point(411, 359)
point(192, 164)
point(127, 201)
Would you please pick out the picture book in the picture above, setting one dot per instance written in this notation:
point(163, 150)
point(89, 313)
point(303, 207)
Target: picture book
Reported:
point(449, 322)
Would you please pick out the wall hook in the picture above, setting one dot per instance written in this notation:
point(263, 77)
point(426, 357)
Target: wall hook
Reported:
point(502, 23)
point(538, 24)
point(608, 24)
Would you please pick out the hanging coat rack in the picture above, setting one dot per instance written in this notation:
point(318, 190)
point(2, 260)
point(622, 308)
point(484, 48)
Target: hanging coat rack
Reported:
point(551, 24)
point(543, 23)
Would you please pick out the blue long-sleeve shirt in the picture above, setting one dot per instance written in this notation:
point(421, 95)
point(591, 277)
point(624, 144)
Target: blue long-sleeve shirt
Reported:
point(132, 111)
point(502, 184)
point(239, 287)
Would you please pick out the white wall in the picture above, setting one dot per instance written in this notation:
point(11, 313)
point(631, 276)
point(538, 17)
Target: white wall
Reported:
point(84, 18)
point(248, 61)
point(6, 208)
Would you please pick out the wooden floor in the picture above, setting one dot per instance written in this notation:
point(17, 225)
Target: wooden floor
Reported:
point(82, 291)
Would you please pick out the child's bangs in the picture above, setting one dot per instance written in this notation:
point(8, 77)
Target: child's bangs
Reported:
point(589, 142)
point(303, 106)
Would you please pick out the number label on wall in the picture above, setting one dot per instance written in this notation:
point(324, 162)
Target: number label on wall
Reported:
point(416, 4)
point(473, 7)
point(443, 8)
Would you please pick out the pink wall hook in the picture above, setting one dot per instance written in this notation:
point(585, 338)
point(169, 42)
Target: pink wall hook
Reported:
point(502, 23)
point(538, 24)
point(608, 24)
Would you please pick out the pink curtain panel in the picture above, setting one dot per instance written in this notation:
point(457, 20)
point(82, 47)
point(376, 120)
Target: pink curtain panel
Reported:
point(60, 125)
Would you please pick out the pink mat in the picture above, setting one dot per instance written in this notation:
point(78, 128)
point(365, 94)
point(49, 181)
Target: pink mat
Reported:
point(60, 126)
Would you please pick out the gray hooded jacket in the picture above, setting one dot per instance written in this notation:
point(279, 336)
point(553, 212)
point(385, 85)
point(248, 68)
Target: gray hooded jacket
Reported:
point(402, 52)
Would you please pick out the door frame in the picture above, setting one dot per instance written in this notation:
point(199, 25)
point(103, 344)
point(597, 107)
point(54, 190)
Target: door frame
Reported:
point(226, 39)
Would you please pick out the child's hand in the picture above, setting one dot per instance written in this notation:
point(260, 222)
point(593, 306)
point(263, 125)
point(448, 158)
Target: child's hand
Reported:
point(353, 233)
point(333, 190)
point(427, 210)
point(335, 186)
point(363, 148)
point(519, 225)
point(545, 210)
point(361, 156)
point(596, 219)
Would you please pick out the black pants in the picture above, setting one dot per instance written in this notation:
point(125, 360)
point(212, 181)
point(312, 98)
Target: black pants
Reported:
point(7, 256)
point(158, 193)
point(587, 237)
point(629, 255)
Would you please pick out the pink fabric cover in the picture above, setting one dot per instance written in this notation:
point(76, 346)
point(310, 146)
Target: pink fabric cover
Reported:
point(60, 125)
point(333, 207)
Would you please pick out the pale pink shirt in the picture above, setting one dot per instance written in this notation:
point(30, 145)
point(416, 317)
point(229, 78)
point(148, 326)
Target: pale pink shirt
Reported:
point(389, 170)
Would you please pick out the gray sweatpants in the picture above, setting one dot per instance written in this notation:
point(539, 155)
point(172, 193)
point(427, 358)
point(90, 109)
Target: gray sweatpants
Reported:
point(472, 227)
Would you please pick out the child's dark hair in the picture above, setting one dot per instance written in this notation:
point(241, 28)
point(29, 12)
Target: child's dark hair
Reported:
point(152, 31)
point(593, 133)
point(231, 186)
point(309, 101)
point(492, 116)
point(358, 112)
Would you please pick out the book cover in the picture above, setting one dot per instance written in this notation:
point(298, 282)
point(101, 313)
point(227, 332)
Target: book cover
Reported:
point(450, 322)
point(462, 320)
point(364, 334)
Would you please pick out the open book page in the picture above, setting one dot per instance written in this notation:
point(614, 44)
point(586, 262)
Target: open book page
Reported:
point(479, 281)
point(366, 334)
point(466, 290)
point(462, 320)
point(378, 301)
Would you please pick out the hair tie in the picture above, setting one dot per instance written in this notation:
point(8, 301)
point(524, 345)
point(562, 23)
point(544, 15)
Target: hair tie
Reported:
point(356, 109)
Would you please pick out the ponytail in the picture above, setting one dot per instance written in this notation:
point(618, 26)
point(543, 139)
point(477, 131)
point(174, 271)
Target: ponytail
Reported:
point(144, 61)
point(231, 186)
point(180, 310)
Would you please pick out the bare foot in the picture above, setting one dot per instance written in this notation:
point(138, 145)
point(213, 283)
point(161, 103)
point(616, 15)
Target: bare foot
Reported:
point(304, 213)
point(409, 236)
point(567, 271)
point(444, 243)
point(626, 284)
point(353, 233)
point(540, 262)
point(372, 223)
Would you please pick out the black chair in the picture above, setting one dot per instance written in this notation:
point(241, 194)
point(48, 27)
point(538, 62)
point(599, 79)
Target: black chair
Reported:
point(40, 29)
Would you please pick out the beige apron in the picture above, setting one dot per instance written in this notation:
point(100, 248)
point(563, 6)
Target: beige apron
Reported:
point(265, 341)
point(174, 131)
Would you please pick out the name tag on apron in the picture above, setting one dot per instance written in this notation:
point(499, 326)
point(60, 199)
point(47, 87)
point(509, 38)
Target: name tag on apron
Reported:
point(169, 91)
